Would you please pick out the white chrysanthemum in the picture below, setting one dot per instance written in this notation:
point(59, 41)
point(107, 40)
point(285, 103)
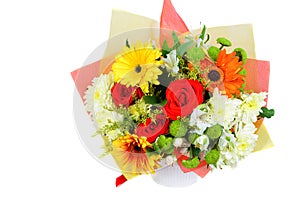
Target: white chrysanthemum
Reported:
point(99, 104)
point(202, 142)
point(231, 110)
point(99, 93)
point(252, 104)
point(232, 149)
point(171, 62)
point(201, 119)
point(89, 98)
point(246, 140)
point(223, 109)
point(239, 114)
point(102, 92)
point(227, 148)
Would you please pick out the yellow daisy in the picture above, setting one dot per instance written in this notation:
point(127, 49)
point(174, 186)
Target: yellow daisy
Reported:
point(137, 65)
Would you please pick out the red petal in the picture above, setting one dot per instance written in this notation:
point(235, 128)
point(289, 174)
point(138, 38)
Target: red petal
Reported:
point(120, 180)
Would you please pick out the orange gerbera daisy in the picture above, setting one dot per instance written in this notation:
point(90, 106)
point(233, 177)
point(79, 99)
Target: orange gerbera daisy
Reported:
point(231, 67)
point(130, 154)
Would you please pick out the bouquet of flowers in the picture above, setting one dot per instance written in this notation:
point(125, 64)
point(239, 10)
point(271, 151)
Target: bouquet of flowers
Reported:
point(178, 101)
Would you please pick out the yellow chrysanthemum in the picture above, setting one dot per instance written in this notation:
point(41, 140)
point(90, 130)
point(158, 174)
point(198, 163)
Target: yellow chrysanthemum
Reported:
point(138, 65)
point(130, 154)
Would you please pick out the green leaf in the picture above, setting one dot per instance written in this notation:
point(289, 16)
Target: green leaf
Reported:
point(163, 103)
point(268, 113)
point(169, 151)
point(165, 48)
point(207, 39)
point(202, 35)
point(192, 137)
point(191, 163)
point(195, 151)
point(152, 151)
point(127, 43)
point(175, 37)
point(242, 87)
point(155, 147)
point(150, 99)
point(243, 72)
point(176, 42)
point(184, 47)
point(195, 54)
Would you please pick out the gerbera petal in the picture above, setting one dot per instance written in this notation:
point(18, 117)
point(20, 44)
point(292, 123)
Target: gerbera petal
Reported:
point(130, 154)
point(231, 67)
point(141, 55)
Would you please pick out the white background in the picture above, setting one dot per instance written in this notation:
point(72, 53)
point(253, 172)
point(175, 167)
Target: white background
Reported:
point(42, 157)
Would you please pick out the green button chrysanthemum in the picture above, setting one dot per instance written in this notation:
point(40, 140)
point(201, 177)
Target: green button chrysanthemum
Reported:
point(178, 128)
point(224, 42)
point(212, 157)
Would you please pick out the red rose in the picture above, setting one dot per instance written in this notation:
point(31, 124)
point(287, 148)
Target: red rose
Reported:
point(123, 95)
point(183, 96)
point(139, 93)
point(152, 130)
